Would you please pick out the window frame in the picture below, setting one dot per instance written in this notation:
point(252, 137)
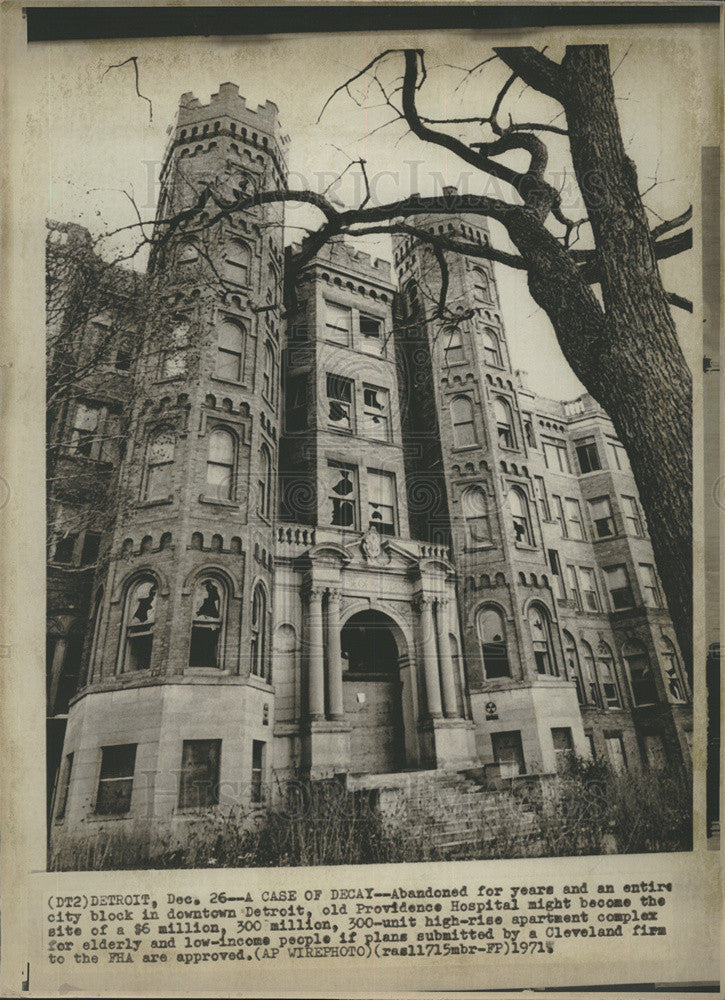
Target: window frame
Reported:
point(187, 773)
point(392, 525)
point(350, 500)
point(217, 431)
point(371, 412)
point(608, 520)
point(583, 448)
point(107, 782)
point(457, 423)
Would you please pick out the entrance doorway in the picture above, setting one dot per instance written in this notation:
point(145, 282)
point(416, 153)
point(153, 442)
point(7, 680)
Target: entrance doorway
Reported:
point(373, 693)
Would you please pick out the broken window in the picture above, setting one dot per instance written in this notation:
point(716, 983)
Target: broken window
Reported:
point(343, 494)
point(620, 590)
point(339, 402)
point(644, 690)
point(588, 455)
point(591, 682)
point(520, 514)
point(115, 783)
point(207, 610)
point(85, 429)
point(541, 639)
point(492, 636)
point(338, 323)
point(91, 545)
point(476, 517)
point(381, 491)
point(504, 423)
point(376, 412)
point(600, 511)
point(371, 329)
point(675, 684)
point(140, 618)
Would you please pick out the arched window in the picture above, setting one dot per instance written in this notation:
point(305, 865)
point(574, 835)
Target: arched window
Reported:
point(504, 423)
point(237, 260)
point(476, 517)
point(608, 677)
point(481, 285)
point(520, 514)
point(641, 678)
point(573, 669)
point(140, 618)
point(265, 482)
point(188, 254)
point(453, 346)
point(207, 610)
point(268, 373)
point(159, 465)
point(492, 636)
point(491, 349)
point(259, 632)
point(464, 428)
point(540, 629)
point(675, 683)
point(591, 684)
point(220, 464)
point(230, 352)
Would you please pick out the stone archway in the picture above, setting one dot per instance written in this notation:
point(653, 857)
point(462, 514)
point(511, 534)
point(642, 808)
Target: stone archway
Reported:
point(372, 692)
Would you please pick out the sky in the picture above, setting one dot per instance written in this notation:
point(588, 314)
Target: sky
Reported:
point(105, 145)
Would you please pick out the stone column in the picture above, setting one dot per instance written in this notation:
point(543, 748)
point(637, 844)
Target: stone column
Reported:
point(55, 672)
point(316, 653)
point(448, 683)
point(334, 657)
point(430, 657)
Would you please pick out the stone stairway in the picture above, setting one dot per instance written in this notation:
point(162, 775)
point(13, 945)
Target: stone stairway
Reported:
point(458, 814)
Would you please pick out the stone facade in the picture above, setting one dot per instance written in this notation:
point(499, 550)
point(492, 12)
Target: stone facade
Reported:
point(348, 540)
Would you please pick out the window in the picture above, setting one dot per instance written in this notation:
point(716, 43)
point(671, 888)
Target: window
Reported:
point(529, 430)
point(574, 587)
point(199, 785)
point(650, 587)
point(555, 566)
point(574, 525)
point(257, 771)
point(220, 464)
point(207, 615)
point(266, 482)
point(644, 691)
point(541, 498)
point(381, 489)
point(589, 589)
point(617, 454)
point(85, 429)
point(608, 677)
point(237, 261)
point(600, 511)
point(632, 517)
point(116, 780)
point(520, 514)
point(230, 351)
point(481, 285)
point(559, 514)
point(175, 349)
point(475, 515)
point(140, 618)
point(187, 254)
point(159, 465)
point(63, 786)
point(492, 636)
point(376, 410)
point(339, 402)
point(342, 494)
point(258, 663)
point(591, 683)
point(508, 753)
point(587, 455)
point(453, 346)
point(338, 323)
point(563, 748)
point(464, 428)
point(615, 751)
point(573, 668)
point(675, 684)
point(491, 349)
point(91, 545)
point(64, 549)
point(268, 373)
point(124, 355)
point(620, 591)
point(541, 639)
point(504, 423)
point(371, 330)
point(556, 455)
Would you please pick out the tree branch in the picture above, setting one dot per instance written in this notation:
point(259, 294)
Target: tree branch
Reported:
point(534, 68)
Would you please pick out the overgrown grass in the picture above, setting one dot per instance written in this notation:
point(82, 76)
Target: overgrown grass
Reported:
point(589, 810)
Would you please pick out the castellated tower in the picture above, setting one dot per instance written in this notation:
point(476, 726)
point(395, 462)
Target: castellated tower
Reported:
point(179, 664)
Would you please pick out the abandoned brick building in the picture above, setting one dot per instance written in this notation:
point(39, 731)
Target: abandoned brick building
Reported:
point(316, 531)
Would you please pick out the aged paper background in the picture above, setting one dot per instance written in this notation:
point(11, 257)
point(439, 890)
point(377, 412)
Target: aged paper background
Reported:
point(38, 80)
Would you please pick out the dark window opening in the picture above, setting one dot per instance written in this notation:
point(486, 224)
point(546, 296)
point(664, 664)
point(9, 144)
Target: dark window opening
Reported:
point(257, 771)
point(91, 545)
point(588, 455)
point(116, 780)
point(199, 786)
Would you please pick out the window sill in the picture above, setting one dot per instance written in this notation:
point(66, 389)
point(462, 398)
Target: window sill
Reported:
point(205, 672)
point(171, 379)
point(526, 548)
point(217, 502)
point(483, 547)
point(467, 447)
point(160, 502)
point(229, 381)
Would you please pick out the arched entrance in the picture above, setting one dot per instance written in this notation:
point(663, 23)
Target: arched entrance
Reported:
point(372, 693)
